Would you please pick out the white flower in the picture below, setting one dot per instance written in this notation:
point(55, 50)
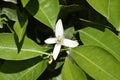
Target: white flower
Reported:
point(60, 40)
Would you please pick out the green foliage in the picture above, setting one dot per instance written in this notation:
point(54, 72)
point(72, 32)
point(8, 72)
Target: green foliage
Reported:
point(12, 1)
point(10, 13)
point(26, 24)
point(98, 63)
point(24, 2)
point(45, 10)
point(20, 26)
point(11, 49)
point(91, 36)
point(22, 70)
point(109, 9)
point(72, 72)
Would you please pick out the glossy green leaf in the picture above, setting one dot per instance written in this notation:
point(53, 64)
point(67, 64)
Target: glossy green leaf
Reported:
point(1, 24)
point(109, 9)
point(59, 77)
point(12, 1)
point(10, 13)
point(46, 11)
point(10, 49)
point(22, 70)
point(97, 62)
point(72, 72)
point(20, 27)
point(107, 40)
point(24, 2)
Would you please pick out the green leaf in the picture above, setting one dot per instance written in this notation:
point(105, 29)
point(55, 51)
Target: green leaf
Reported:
point(57, 77)
point(20, 26)
point(24, 2)
point(3, 21)
point(20, 31)
point(1, 25)
point(72, 72)
point(107, 40)
point(69, 32)
point(23, 70)
point(109, 9)
point(97, 62)
point(12, 1)
point(46, 11)
point(10, 49)
point(10, 13)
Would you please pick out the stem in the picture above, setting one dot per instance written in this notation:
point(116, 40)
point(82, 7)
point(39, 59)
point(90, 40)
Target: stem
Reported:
point(8, 26)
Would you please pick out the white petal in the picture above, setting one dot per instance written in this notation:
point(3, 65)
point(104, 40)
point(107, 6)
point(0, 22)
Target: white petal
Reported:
point(50, 41)
point(56, 51)
point(59, 32)
point(70, 43)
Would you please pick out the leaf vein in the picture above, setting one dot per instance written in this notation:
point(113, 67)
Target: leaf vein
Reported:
point(95, 65)
point(99, 42)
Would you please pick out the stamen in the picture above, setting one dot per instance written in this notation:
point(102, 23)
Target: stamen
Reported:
point(60, 40)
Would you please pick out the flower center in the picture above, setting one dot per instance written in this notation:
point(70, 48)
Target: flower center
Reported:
point(60, 40)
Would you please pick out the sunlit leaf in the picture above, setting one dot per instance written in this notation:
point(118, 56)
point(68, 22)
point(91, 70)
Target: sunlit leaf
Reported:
point(97, 62)
point(24, 2)
point(10, 13)
point(20, 31)
point(57, 77)
point(20, 26)
point(107, 40)
point(72, 72)
point(10, 49)
point(12, 1)
point(22, 70)
point(109, 9)
point(46, 11)
point(1, 24)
